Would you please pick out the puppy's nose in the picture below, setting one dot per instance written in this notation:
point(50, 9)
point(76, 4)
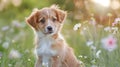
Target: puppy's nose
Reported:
point(49, 28)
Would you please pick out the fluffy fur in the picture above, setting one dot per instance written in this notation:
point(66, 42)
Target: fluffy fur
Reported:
point(51, 48)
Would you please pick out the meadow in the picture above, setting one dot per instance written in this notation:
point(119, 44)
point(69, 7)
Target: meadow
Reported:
point(95, 44)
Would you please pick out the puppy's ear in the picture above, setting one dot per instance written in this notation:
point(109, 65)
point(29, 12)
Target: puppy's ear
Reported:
point(33, 18)
point(60, 14)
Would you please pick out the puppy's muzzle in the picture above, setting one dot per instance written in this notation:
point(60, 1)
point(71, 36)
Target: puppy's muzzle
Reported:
point(50, 29)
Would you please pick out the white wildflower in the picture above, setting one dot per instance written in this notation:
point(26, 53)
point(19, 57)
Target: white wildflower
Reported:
point(80, 56)
point(9, 65)
point(5, 28)
point(107, 28)
point(89, 43)
point(85, 56)
point(117, 20)
point(5, 45)
point(76, 26)
point(17, 24)
point(93, 47)
point(14, 54)
point(93, 66)
point(98, 53)
point(115, 28)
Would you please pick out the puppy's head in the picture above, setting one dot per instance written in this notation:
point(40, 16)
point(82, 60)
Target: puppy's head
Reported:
point(47, 20)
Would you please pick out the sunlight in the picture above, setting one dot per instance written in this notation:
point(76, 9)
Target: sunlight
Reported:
point(115, 4)
point(104, 3)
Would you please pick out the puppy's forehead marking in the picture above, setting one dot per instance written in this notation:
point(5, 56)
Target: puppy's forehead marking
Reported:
point(48, 13)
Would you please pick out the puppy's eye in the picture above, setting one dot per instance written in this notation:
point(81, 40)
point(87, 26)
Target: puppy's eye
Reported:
point(42, 20)
point(54, 19)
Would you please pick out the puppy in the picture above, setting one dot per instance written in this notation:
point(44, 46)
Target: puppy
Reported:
point(51, 48)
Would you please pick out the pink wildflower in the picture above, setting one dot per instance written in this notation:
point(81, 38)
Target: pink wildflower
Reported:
point(92, 21)
point(117, 20)
point(109, 43)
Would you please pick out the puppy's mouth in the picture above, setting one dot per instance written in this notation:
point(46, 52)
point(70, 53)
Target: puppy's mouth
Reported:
point(48, 32)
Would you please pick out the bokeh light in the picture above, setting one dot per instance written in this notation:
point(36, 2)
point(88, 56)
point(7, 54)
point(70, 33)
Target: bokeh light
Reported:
point(104, 3)
point(115, 4)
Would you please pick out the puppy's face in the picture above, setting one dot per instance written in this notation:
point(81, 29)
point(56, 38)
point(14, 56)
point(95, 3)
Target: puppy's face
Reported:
point(47, 20)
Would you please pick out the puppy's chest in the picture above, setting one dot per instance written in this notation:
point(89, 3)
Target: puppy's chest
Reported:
point(45, 47)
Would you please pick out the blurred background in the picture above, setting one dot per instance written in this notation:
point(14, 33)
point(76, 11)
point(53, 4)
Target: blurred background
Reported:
point(91, 16)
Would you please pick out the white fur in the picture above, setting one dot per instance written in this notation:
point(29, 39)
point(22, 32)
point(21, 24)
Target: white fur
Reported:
point(48, 13)
point(44, 49)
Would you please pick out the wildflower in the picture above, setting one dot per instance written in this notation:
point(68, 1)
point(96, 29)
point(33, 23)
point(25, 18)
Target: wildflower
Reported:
point(111, 29)
point(85, 56)
point(9, 65)
point(80, 56)
point(108, 28)
point(98, 53)
point(115, 29)
point(5, 45)
point(76, 26)
point(93, 66)
point(1, 54)
point(92, 21)
point(116, 21)
point(109, 43)
point(14, 54)
point(89, 43)
point(81, 64)
point(17, 24)
point(5, 28)
point(93, 47)
point(17, 37)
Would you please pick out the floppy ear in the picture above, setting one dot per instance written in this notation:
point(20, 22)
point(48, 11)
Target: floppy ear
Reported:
point(60, 14)
point(32, 19)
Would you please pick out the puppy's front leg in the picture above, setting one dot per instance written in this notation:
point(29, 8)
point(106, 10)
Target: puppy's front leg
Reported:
point(56, 61)
point(38, 62)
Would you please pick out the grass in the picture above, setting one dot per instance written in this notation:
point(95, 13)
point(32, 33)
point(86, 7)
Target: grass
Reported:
point(21, 38)
point(16, 35)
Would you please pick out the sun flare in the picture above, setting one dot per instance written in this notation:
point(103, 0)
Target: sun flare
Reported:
point(104, 3)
